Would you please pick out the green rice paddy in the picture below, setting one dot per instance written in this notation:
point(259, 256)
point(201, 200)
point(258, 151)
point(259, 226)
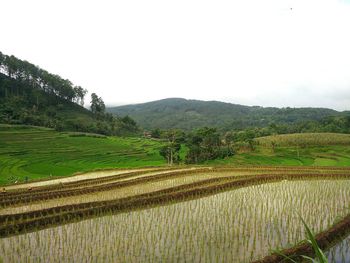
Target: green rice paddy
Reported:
point(36, 153)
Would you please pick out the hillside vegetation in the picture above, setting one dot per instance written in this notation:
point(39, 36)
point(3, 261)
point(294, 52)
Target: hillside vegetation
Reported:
point(31, 95)
point(189, 114)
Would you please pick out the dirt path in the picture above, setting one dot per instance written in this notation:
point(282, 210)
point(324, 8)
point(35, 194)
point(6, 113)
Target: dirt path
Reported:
point(75, 178)
point(98, 174)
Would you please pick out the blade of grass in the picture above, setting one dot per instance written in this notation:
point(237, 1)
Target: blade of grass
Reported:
point(311, 239)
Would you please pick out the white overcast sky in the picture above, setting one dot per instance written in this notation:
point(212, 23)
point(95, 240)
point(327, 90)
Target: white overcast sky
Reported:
point(269, 53)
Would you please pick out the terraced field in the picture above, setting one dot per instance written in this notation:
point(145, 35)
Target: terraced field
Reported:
point(188, 214)
point(305, 139)
point(30, 153)
point(148, 212)
point(301, 149)
point(33, 153)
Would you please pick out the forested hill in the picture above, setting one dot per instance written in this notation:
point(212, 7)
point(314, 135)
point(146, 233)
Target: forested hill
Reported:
point(189, 114)
point(31, 95)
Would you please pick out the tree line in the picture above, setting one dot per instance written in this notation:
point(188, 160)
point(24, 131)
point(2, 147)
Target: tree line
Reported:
point(38, 78)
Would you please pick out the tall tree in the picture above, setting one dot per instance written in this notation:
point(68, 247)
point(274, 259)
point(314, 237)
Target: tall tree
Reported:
point(80, 94)
point(171, 151)
point(97, 105)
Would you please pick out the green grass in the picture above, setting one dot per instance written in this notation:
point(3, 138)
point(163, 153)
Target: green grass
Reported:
point(37, 153)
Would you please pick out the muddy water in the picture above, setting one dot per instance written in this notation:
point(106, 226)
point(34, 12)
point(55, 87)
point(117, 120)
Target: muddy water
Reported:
point(340, 253)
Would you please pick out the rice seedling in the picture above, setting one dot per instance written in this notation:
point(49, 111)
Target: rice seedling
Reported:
point(137, 189)
point(240, 225)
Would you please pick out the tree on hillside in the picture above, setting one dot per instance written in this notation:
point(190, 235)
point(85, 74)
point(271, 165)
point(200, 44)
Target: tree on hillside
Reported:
point(80, 94)
point(171, 151)
point(97, 105)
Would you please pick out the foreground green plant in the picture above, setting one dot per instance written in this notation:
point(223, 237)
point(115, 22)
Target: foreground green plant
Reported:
point(311, 239)
point(320, 256)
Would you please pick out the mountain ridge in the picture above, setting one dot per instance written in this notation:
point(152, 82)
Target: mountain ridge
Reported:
point(189, 113)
